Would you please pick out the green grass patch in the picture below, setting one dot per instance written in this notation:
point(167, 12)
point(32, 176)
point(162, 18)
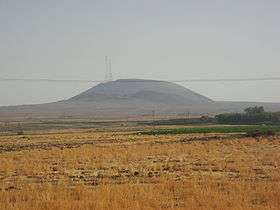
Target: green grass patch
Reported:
point(214, 129)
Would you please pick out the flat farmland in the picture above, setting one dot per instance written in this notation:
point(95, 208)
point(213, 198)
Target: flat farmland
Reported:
point(89, 169)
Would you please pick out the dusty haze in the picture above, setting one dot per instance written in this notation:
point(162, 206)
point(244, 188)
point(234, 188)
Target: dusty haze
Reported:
point(165, 40)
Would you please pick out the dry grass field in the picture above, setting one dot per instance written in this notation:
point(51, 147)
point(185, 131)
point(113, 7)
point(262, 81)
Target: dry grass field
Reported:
point(86, 169)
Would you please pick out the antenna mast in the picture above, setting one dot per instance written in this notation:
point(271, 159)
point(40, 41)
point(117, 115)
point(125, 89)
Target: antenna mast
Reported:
point(108, 69)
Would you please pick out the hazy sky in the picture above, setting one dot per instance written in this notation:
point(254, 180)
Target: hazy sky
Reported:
point(153, 39)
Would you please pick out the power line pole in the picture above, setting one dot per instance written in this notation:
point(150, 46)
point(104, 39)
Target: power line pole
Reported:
point(154, 118)
point(187, 115)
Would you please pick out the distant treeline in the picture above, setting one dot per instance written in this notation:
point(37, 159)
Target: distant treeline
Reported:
point(251, 115)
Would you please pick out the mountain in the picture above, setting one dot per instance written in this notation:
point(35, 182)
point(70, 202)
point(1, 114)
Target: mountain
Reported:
point(149, 90)
point(129, 98)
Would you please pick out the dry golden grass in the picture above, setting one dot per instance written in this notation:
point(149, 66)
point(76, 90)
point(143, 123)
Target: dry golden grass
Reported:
point(119, 170)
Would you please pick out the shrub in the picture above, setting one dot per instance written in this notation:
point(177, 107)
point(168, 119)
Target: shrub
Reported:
point(20, 133)
point(249, 117)
point(257, 133)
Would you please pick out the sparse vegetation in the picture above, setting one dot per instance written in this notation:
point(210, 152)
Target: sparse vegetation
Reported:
point(86, 169)
point(258, 133)
point(213, 129)
point(183, 121)
point(251, 115)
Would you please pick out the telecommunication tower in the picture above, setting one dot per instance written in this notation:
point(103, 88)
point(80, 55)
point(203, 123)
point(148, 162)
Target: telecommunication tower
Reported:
point(108, 69)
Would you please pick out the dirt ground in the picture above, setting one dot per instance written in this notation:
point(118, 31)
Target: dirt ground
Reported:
point(86, 169)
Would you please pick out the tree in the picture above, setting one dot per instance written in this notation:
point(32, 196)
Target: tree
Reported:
point(254, 110)
point(252, 115)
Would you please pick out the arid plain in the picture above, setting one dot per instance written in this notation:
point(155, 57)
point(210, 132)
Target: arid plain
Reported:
point(121, 169)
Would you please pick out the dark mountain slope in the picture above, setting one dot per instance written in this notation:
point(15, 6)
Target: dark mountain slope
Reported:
point(145, 89)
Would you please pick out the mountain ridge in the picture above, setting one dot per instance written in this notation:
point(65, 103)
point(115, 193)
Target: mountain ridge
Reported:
point(126, 88)
point(130, 98)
